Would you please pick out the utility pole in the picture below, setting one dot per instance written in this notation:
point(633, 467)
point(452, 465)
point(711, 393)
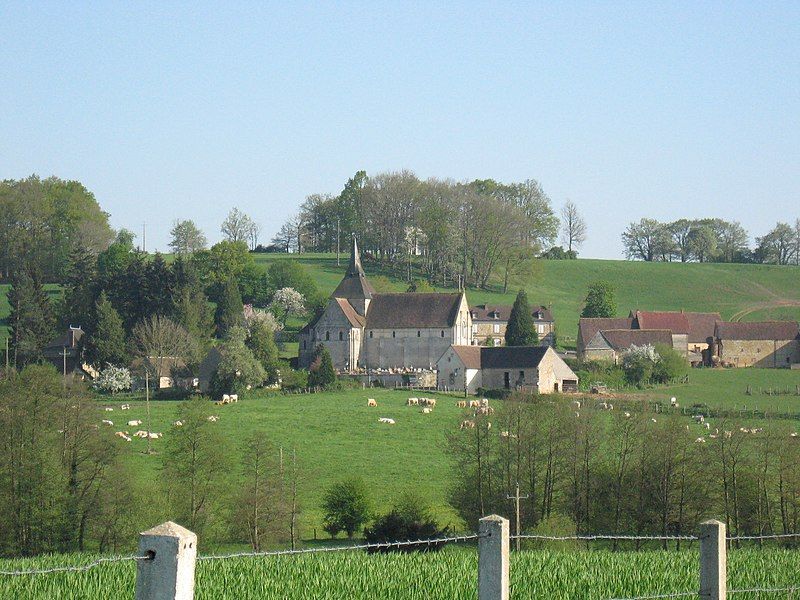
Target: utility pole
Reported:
point(147, 402)
point(144, 237)
point(337, 241)
point(7, 338)
point(516, 497)
point(64, 360)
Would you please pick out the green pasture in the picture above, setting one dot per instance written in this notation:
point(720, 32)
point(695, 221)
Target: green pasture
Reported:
point(447, 575)
point(737, 291)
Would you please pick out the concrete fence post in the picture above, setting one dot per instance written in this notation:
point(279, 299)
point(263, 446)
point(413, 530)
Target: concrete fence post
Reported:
point(713, 561)
point(169, 573)
point(493, 558)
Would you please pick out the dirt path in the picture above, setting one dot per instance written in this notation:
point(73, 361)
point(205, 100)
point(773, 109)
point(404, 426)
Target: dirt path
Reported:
point(765, 305)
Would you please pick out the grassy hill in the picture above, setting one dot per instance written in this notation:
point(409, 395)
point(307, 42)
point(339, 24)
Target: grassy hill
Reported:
point(738, 292)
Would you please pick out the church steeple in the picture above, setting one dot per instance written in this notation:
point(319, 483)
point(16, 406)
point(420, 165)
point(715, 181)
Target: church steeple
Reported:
point(355, 268)
point(355, 287)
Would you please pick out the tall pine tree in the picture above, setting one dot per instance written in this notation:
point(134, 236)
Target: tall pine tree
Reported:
point(107, 341)
point(31, 319)
point(229, 308)
point(521, 330)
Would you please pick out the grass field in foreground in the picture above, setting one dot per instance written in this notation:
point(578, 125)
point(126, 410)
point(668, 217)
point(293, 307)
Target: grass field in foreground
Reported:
point(337, 435)
point(447, 575)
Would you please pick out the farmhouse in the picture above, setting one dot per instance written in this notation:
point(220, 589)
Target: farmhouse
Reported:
point(759, 344)
point(610, 344)
point(530, 368)
point(589, 326)
point(676, 322)
point(489, 322)
point(64, 352)
point(364, 329)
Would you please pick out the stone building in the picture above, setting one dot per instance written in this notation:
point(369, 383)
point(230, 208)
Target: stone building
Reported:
point(364, 329)
point(676, 322)
point(589, 326)
point(489, 322)
point(536, 369)
point(610, 344)
point(769, 344)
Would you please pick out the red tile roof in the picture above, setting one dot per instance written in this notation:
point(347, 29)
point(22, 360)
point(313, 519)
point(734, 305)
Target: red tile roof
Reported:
point(677, 322)
point(588, 327)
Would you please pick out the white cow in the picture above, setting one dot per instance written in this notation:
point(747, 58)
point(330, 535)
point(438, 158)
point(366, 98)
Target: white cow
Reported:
point(386, 420)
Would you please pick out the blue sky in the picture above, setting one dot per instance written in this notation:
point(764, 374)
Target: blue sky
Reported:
point(629, 109)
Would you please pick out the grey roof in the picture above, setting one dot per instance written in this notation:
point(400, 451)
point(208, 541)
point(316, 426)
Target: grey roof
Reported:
point(469, 355)
point(622, 339)
point(355, 283)
point(486, 313)
point(512, 357)
point(589, 326)
point(412, 310)
point(757, 330)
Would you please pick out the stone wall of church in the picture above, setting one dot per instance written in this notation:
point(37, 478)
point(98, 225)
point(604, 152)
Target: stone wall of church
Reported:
point(418, 348)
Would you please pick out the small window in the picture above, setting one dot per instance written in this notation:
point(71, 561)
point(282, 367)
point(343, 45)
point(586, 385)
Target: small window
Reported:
point(418, 334)
point(393, 334)
point(341, 337)
point(370, 334)
point(327, 336)
point(442, 333)
point(522, 374)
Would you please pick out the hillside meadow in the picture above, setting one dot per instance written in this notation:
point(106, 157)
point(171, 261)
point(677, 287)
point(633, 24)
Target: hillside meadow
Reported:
point(737, 291)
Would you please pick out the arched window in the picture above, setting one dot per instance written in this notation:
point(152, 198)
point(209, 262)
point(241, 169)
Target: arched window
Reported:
point(327, 336)
point(370, 334)
point(443, 333)
point(340, 336)
point(418, 333)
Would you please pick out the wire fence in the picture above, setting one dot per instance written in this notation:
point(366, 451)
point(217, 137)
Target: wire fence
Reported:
point(460, 538)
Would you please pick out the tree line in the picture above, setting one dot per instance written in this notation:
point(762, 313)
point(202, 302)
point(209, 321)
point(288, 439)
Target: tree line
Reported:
point(460, 232)
point(710, 240)
point(611, 471)
point(64, 485)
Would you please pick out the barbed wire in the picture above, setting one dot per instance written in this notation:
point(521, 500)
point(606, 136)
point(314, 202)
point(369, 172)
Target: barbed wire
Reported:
point(772, 536)
point(375, 545)
point(794, 588)
point(593, 537)
point(86, 567)
point(671, 595)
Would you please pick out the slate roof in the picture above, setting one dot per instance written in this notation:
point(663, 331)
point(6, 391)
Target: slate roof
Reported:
point(757, 330)
point(676, 322)
point(512, 357)
point(622, 339)
point(588, 327)
point(702, 326)
point(485, 313)
point(500, 357)
point(412, 310)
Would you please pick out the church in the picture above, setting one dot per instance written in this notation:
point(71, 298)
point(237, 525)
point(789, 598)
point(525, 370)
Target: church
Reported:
point(363, 329)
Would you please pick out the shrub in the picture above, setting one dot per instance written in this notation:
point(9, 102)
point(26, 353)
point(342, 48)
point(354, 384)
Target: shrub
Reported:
point(638, 362)
point(671, 366)
point(347, 507)
point(321, 372)
point(113, 379)
point(409, 519)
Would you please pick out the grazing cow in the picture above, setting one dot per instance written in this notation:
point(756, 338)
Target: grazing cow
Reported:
point(108, 409)
point(474, 403)
point(707, 425)
point(386, 420)
point(461, 404)
point(653, 419)
point(234, 397)
point(134, 423)
point(412, 402)
point(154, 436)
point(576, 404)
point(427, 410)
point(627, 415)
point(213, 418)
point(140, 434)
point(467, 424)
point(226, 398)
point(431, 402)
point(107, 422)
point(700, 440)
point(178, 424)
point(371, 402)
point(484, 402)
point(125, 407)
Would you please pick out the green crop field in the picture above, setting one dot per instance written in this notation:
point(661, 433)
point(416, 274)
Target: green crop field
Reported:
point(447, 575)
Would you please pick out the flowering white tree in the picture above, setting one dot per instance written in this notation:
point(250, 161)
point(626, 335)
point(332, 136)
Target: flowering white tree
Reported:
point(286, 302)
point(254, 316)
point(638, 363)
point(113, 379)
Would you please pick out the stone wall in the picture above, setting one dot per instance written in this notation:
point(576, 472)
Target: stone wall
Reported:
point(759, 353)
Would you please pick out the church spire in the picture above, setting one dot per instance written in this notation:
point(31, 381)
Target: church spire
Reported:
point(355, 268)
point(355, 284)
